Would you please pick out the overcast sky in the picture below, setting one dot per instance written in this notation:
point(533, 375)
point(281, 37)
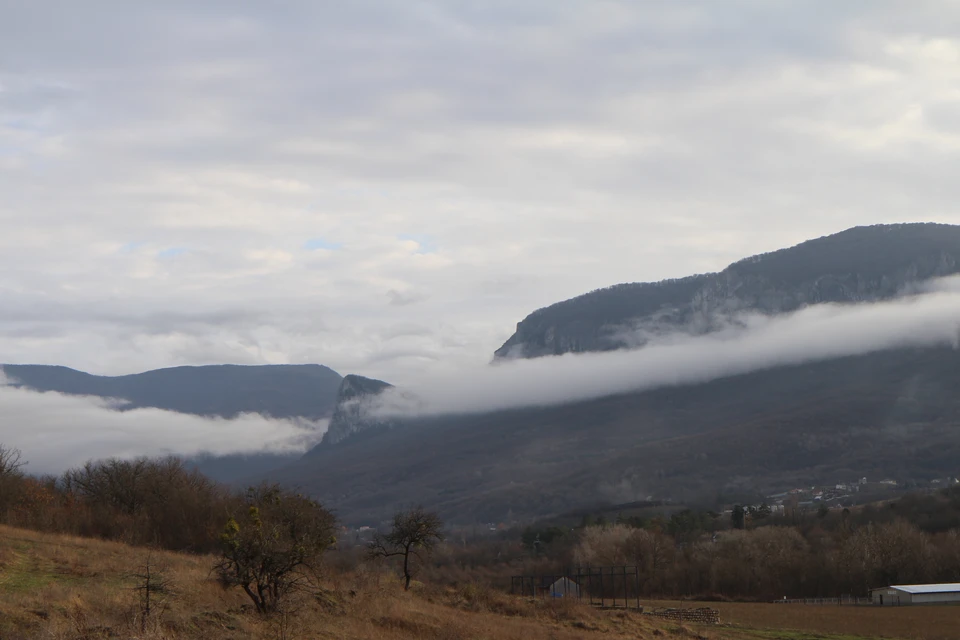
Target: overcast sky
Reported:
point(388, 187)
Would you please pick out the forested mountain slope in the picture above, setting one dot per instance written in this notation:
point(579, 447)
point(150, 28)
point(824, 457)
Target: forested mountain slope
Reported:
point(891, 414)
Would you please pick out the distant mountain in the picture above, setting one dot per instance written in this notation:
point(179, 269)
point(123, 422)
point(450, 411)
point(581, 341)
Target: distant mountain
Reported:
point(858, 265)
point(280, 391)
point(892, 414)
point(356, 400)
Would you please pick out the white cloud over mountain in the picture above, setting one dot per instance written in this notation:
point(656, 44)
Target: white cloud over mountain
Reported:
point(56, 431)
point(750, 342)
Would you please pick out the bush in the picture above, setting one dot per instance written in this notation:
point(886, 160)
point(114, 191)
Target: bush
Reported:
point(274, 546)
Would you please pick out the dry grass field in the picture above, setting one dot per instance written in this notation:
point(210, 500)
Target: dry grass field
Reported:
point(803, 622)
point(66, 588)
point(62, 587)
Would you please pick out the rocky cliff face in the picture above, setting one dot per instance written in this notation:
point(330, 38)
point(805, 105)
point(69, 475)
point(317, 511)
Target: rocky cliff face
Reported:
point(862, 264)
point(356, 401)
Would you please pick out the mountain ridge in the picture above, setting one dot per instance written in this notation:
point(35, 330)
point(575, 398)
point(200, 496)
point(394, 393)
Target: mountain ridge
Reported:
point(860, 264)
point(226, 390)
point(889, 413)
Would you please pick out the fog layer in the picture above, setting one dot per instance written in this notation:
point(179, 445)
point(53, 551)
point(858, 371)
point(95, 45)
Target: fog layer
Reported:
point(56, 431)
point(930, 317)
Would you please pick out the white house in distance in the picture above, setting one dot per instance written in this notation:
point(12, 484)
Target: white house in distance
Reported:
point(906, 594)
point(565, 588)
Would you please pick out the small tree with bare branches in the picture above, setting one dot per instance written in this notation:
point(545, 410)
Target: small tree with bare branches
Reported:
point(152, 585)
point(414, 533)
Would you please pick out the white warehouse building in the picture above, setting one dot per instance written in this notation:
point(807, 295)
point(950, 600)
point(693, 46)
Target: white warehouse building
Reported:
point(906, 594)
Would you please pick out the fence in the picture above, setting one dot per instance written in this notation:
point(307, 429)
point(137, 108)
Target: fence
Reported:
point(608, 587)
point(837, 602)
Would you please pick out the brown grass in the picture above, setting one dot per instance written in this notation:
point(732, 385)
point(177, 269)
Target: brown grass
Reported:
point(61, 587)
point(922, 623)
point(64, 588)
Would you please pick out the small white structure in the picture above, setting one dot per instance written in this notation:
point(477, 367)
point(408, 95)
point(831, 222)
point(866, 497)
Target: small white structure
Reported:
point(565, 588)
point(906, 594)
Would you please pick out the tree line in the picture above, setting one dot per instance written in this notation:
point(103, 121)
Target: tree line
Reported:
point(772, 562)
point(753, 555)
point(160, 502)
point(266, 540)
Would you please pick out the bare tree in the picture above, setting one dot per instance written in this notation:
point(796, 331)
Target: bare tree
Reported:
point(11, 477)
point(414, 533)
point(115, 483)
point(275, 547)
point(652, 552)
point(11, 462)
point(151, 587)
point(149, 501)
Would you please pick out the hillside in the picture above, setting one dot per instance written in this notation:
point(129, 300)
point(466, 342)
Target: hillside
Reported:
point(56, 586)
point(280, 391)
point(857, 265)
point(891, 414)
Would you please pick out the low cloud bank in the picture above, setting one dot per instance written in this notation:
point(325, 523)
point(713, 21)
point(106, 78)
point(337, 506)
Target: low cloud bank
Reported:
point(929, 317)
point(56, 431)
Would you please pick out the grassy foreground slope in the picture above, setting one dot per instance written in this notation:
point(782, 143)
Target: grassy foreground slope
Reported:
point(54, 586)
point(62, 587)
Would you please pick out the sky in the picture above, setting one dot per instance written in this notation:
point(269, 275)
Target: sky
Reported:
point(388, 187)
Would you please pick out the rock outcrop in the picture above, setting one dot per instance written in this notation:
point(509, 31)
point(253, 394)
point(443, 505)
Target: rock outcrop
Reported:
point(356, 409)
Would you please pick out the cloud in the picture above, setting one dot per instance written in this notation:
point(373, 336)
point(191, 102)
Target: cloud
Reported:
point(56, 431)
point(538, 149)
point(315, 244)
point(404, 298)
point(423, 244)
point(172, 252)
point(752, 342)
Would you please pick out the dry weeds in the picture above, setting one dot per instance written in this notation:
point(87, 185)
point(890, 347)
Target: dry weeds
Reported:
point(752, 620)
point(64, 588)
